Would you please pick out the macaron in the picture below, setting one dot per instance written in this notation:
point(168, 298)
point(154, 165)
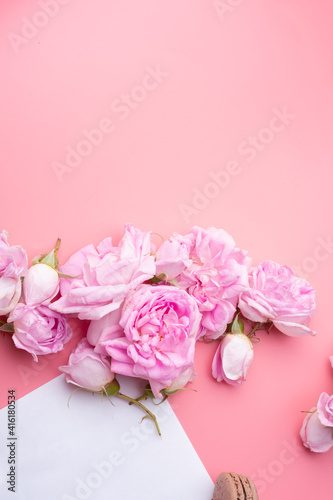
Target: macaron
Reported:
point(231, 486)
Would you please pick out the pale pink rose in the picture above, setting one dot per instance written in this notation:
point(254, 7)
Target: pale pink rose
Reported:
point(207, 265)
point(39, 330)
point(41, 285)
point(173, 255)
point(314, 434)
point(276, 294)
point(325, 409)
point(13, 266)
point(88, 369)
point(233, 358)
point(160, 325)
point(107, 327)
point(105, 275)
point(184, 378)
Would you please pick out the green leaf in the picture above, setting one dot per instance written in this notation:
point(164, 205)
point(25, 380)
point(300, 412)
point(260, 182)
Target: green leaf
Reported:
point(113, 388)
point(170, 393)
point(237, 326)
point(7, 327)
point(149, 392)
point(38, 258)
point(50, 259)
point(68, 276)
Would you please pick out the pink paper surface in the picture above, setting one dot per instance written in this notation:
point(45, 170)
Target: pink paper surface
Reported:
point(209, 113)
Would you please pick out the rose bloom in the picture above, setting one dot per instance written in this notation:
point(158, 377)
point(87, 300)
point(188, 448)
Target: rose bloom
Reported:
point(104, 276)
point(106, 327)
point(13, 265)
point(276, 294)
point(40, 285)
point(88, 369)
point(233, 358)
point(155, 337)
point(208, 266)
point(316, 436)
point(39, 330)
point(325, 409)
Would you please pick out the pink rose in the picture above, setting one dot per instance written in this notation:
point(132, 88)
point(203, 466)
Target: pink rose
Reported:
point(88, 369)
point(277, 295)
point(186, 376)
point(13, 265)
point(106, 327)
point(173, 255)
point(39, 330)
point(41, 285)
point(157, 341)
point(331, 360)
point(233, 358)
point(105, 275)
point(325, 409)
point(207, 265)
point(314, 434)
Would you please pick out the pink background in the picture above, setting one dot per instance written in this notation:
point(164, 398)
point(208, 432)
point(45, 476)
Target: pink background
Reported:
point(224, 70)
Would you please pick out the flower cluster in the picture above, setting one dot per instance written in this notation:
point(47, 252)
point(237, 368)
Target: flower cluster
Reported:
point(317, 428)
point(149, 306)
point(27, 309)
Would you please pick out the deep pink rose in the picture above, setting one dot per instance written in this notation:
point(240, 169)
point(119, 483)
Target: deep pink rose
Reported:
point(314, 434)
point(207, 265)
point(39, 330)
point(276, 294)
point(40, 285)
point(233, 358)
point(157, 341)
point(13, 265)
point(105, 275)
point(88, 369)
point(325, 409)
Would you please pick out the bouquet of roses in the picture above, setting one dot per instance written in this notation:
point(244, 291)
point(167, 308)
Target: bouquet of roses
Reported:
point(25, 300)
point(149, 306)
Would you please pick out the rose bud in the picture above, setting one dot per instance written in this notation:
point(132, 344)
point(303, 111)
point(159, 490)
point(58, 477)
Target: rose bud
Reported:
point(316, 436)
point(233, 358)
point(40, 285)
point(87, 369)
point(187, 376)
point(325, 409)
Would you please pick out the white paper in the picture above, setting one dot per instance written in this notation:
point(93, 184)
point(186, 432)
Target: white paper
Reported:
point(93, 450)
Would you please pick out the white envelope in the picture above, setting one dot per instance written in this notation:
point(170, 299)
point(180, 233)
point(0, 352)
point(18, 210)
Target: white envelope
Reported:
point(93, 450)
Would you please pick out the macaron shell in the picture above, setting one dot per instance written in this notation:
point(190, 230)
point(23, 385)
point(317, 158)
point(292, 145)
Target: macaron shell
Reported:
point(228, 486)
point(239, 486)
point(249, 488)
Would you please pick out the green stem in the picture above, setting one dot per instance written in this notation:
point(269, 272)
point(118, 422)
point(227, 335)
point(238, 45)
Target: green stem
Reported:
point(144, 396)
point(57, 247)
point(144, 408)
point(269, 329)
point(254, 329)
